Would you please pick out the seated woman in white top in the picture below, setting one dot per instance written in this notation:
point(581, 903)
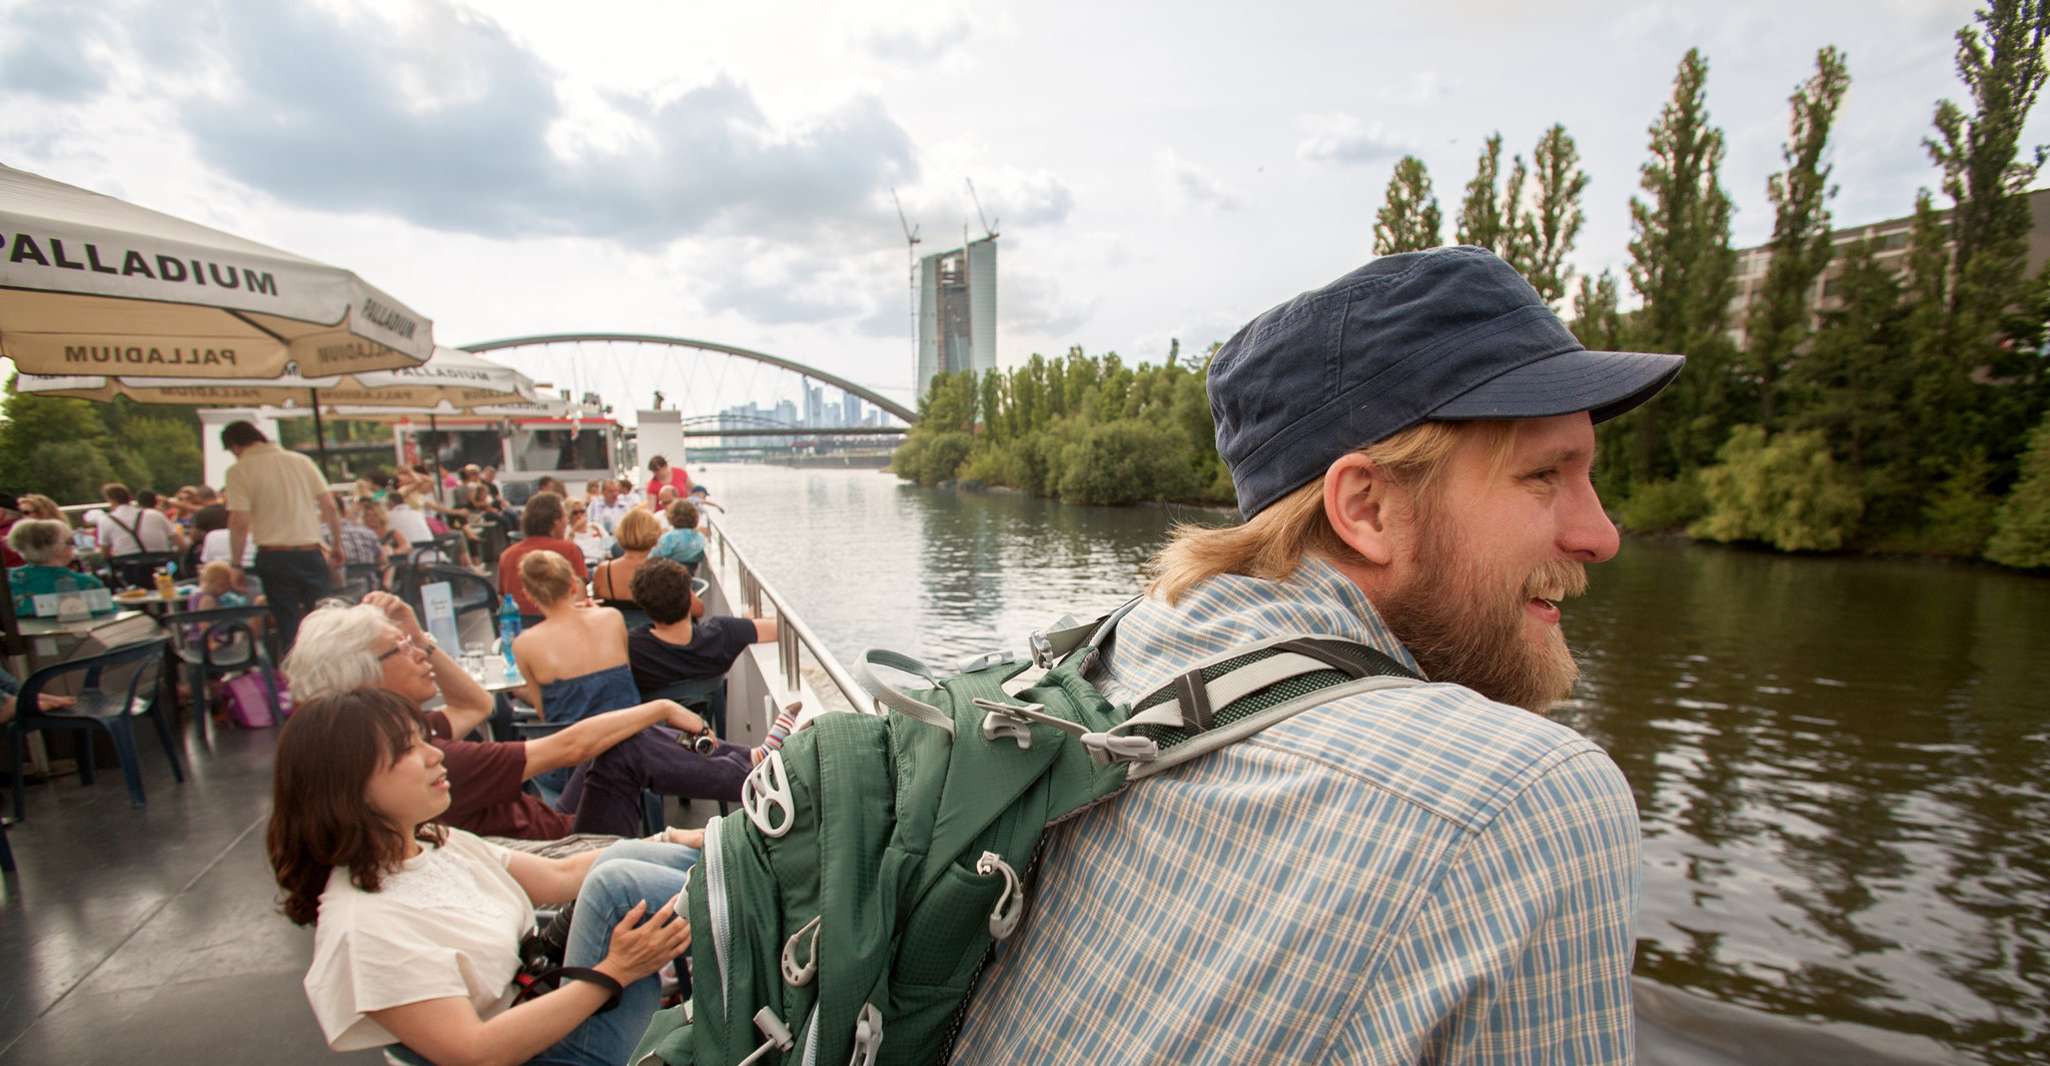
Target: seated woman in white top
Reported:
point(417, 927)
point(408, 519)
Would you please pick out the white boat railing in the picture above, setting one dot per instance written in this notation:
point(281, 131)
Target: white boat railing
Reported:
point(800, 655)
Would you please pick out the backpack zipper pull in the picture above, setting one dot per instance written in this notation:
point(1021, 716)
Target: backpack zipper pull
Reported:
point(868, 1036)
point(778, 1036)
point(794, 975)
point(1003, 918)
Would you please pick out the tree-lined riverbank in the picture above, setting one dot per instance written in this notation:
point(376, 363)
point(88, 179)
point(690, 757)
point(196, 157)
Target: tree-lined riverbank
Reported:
point(1907, 411)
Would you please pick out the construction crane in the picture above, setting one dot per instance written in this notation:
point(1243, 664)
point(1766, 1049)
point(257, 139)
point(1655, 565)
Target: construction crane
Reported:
point(989, 226)
point(911, 269)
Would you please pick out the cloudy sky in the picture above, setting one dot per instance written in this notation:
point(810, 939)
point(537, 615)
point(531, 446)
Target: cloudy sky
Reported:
point(723, 171)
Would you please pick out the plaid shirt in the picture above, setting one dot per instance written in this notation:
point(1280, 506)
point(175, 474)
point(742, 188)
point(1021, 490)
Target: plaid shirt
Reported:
point(359, 543)
point(1404, 876)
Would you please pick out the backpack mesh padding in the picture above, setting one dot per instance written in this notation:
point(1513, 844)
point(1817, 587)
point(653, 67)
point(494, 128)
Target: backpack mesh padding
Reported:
point(1259, 700)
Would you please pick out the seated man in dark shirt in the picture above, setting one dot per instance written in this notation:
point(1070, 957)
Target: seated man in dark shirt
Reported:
point(381, 644)
point(675, 647)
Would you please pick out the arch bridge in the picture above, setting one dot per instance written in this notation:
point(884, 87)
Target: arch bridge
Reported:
point(877, 399)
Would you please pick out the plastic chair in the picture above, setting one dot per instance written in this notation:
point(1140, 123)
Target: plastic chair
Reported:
point(212, 643)
point(107, 701)
point(707, 696)
point(137, 569)
point(470, 592)
point(360, 580)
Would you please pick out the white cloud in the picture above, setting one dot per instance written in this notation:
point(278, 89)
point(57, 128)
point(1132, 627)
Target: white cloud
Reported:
point(1341, 138)
point(1187, 185)
point(920, 44)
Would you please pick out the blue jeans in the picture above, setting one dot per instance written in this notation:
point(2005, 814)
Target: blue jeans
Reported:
point(293, 580)
point(624, 874)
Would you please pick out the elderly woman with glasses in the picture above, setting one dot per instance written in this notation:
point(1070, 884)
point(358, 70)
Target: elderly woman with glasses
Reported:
point(45, 544)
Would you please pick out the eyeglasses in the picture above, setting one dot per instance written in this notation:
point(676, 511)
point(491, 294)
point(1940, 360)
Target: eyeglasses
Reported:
point(406, 644)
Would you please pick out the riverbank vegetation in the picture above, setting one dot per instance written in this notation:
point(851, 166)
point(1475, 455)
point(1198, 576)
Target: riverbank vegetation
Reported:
point(1086, 429)
point(66, 449)
point(1895, 413)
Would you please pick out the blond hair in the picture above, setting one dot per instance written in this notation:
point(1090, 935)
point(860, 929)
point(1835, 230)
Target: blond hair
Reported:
point(1272, 544)
point(638, 531)
point(37, 505)
point(547, 576)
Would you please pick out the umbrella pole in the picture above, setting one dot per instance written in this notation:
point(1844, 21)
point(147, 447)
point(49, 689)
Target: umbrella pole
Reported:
point(319, 434)
point(434, 435)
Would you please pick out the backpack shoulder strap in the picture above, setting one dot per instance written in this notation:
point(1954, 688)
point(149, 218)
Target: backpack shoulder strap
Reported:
point(1229, 697)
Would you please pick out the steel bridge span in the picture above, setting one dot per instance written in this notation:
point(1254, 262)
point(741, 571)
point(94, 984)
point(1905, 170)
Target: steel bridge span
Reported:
point(906, 414)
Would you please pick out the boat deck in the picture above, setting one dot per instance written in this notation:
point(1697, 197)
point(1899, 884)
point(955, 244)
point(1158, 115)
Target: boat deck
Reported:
point(152, 935)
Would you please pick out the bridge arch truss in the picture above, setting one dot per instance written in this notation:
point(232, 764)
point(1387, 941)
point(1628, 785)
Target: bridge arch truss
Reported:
point(882, 402)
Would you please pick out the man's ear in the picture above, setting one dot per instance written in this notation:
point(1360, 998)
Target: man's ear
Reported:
point(1359, 504)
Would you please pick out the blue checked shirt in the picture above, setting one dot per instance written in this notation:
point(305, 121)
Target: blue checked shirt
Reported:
point(1405, 876)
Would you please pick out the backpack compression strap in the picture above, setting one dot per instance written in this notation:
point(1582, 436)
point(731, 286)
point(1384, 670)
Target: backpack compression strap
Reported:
point(1217, 702)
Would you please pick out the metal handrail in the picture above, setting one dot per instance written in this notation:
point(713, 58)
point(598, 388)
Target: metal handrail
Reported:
point(792, 635)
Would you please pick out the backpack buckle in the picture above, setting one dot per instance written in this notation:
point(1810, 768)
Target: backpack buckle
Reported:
point(868, 1036)
point(768, 786)
point(996, 726)
point(1042, 649)
point(1014, 720)
point(984, 661)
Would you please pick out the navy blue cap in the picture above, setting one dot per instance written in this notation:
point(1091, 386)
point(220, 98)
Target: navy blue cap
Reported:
point(1451, 334)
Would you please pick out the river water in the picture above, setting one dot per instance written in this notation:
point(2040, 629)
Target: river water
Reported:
point(1842, 765)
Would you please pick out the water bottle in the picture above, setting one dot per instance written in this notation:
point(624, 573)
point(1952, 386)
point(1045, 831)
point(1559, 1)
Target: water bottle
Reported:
point(508, 628)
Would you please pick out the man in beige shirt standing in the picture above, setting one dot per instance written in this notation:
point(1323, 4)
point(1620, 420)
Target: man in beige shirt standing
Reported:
point(280, 499)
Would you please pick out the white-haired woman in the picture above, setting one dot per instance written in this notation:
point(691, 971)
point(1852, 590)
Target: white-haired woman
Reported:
point(45, 544)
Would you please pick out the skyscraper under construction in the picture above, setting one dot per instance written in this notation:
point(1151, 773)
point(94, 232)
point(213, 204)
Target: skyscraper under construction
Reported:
point(957, 311)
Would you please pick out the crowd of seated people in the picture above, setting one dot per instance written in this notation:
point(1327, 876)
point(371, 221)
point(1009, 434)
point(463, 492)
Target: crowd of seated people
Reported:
point(393, 814)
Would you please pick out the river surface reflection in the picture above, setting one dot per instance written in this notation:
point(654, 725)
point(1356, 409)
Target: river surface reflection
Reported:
point(1841, 764)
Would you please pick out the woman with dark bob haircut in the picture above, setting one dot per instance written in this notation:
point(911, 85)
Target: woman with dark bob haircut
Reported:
point(417, 927)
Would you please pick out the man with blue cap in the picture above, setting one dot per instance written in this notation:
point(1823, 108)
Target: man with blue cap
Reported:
point(1425, 873)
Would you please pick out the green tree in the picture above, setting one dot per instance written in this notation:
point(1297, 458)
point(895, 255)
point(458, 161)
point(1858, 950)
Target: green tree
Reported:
point(57, 447)
point(1800, 245)
point(2001, 63)
point(1480, 213)
point(1596, 320)
point(2021, 535)
point(1852, 385)
point(1786, 492)
point(1409, 220)
point(1549, 229)
point(1682, 266)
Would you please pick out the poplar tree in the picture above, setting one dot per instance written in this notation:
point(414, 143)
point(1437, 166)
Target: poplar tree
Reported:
point(1409, 220)
point(1596, 321)
point(1986, 175)
point(1800, 194)
point(1682, 266)
point(1554, 219)
point(1480, 216)
point(2001, 64)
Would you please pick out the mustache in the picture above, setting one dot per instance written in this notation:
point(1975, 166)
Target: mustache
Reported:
point(1556, 580)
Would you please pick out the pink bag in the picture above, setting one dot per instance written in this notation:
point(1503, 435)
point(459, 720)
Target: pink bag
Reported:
point(249, 700)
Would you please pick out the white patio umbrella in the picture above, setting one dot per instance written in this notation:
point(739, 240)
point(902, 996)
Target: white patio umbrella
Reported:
point(452, 380)
point(92, 284)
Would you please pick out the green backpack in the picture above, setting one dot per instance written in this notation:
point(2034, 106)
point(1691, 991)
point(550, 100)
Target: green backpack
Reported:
point(844, 913)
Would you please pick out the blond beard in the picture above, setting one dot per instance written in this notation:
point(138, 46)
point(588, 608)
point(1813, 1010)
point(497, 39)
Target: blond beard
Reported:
point(1465, 627)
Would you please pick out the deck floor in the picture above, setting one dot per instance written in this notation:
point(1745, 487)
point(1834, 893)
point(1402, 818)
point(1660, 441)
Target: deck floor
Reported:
point(152, 934)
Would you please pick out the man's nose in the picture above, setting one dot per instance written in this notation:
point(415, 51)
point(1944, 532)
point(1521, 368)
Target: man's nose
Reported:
point(1586, 533)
